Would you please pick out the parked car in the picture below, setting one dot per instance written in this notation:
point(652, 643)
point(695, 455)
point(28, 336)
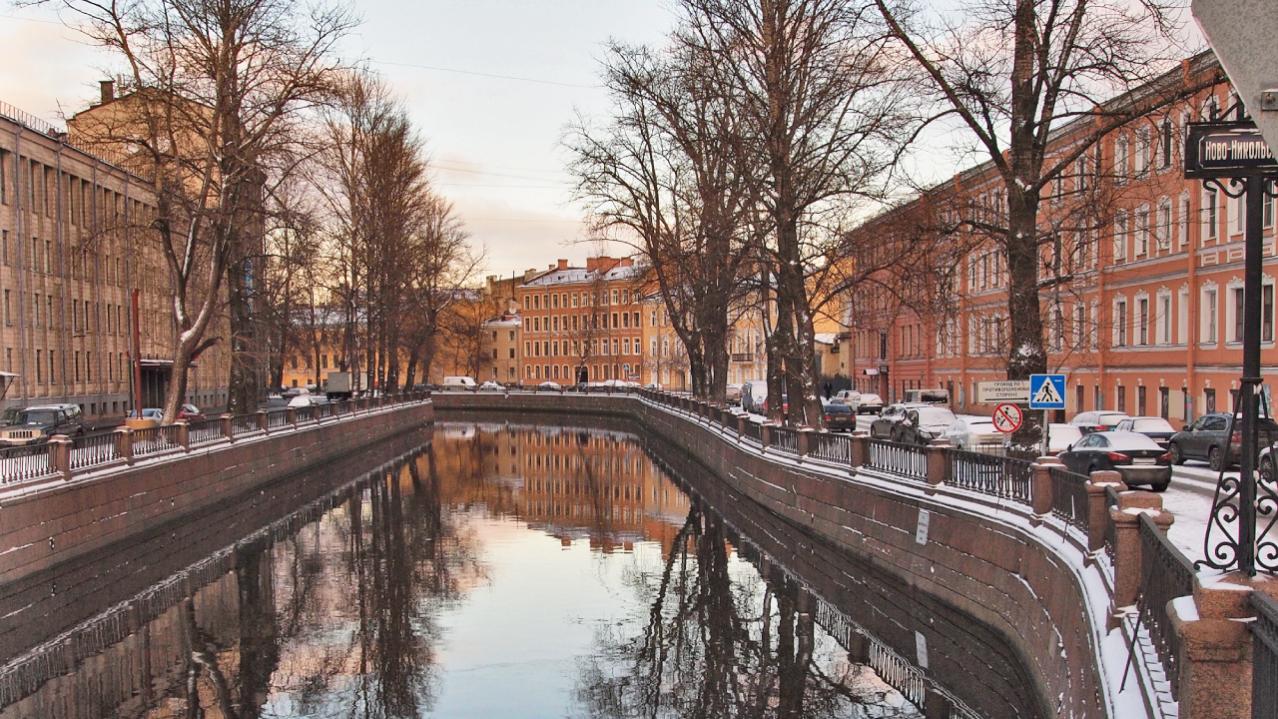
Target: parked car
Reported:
point(1206, 439)
point(974, 432)
point(732, 393)
point(1156, 428)
point(37, 424)
point(1139, 459)
point(935, 395)
point(867, 403)
point(753, 394)
point(884, 426)
point(550, 386)
point(1097, 420)
point(1061, 436)
point(845, 397)
point(923, 424)
point(154, 413)
point(308, 400)
point(491, 386)
point(837, 417)
point(190, 413)
point(459, 382)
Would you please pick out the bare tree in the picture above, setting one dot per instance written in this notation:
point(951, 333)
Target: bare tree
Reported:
point(1015, 73)
point(215, 90)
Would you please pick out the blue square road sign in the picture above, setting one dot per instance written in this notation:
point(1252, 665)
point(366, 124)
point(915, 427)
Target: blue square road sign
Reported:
point(1047, 391)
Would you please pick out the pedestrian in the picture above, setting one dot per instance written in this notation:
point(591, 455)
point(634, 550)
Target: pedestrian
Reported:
point(827, 390)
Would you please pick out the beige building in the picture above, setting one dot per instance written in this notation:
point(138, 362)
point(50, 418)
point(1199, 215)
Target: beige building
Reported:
point(73, 244)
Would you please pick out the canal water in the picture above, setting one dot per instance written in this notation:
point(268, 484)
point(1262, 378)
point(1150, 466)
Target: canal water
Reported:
point(498, 571)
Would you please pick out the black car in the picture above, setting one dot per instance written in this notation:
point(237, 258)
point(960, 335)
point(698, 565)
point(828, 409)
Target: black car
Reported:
point(1207, 439)
point(837, 417)
point(1139, 459)
point(1156, 428)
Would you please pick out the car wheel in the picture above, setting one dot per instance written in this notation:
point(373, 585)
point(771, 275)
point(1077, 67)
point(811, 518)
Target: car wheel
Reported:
point(1160, 487)
point(1177, 457)
point(1216, 459)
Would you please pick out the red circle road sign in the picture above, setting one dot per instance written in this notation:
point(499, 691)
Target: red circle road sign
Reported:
point(1008, 418)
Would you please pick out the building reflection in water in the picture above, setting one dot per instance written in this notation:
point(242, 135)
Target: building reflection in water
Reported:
point(501, 572)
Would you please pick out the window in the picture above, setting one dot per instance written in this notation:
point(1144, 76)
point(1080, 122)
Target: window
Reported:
point(1120, 398)
point(1237, 306)
point(1164, 317)
point(1165, 142)
point(1142, 151)
point(1120, 159)
point(1142, 231)
point(1184, 222)
point(1209, 215)
point(1267, 213)
point(1209, 310)
point(1120, 235)
point(1142, 320)
point(1080, 174)
point(1267, 313)
point(1163, 225)
point(1120, 322)
point(1080, 326)
point(1182, 316)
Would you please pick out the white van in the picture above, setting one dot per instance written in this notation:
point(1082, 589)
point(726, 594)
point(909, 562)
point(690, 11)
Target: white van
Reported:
point(460, 383)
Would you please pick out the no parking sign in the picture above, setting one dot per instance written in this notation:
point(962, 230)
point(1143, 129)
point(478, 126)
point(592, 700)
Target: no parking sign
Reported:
point(1008, 418)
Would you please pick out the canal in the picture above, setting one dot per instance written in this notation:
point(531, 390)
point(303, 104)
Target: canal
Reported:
point(500, 571)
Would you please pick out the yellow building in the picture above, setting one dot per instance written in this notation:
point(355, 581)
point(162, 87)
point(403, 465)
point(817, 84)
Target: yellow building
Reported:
point(74, 242)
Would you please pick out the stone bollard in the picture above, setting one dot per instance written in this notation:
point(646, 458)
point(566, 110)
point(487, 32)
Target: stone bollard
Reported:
point(1215, 660)
point(1041, 488)
point(937, 467)
point(124, 444)
point(228, 426)
point(807, 440)
point(1097, 507)
point(263, 420)
point(183, 432)
point(860, 448)
point(1127, 550)
point(59, 449)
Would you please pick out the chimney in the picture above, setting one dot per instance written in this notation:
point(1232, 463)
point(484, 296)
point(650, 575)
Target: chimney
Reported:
point(107, 90)
point(563, 264)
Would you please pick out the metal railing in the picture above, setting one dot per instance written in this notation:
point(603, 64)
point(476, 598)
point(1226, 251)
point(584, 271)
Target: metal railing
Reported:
point(831, 447)
point(21, 464)
point(277, 419)
point(784, 440)
point(204, 431)
point(1069, 496)
point(1264, 637)
point(1166, 574)
point(93, 449)
point(154, 440)
point(753, 431)
point(995, 475)
point(904, 459)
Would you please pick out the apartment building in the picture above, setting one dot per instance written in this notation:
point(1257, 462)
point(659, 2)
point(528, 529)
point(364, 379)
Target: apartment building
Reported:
point(582, 323)
point(1141, 280)
point(74, 243)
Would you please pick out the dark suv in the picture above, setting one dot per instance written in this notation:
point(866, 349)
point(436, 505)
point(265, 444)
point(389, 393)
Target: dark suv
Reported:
point(1208, 438)
point(33, 425)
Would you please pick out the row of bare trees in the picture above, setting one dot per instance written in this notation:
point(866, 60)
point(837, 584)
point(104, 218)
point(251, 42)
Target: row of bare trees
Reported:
point(740, 155)
point(292, 191)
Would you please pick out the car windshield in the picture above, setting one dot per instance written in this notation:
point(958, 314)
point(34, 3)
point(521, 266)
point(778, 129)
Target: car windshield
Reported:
point(935, 415)
point(38, 416)
point(1152, 424)
point(1110, 419)
point(11, 416)
point(1130, 440)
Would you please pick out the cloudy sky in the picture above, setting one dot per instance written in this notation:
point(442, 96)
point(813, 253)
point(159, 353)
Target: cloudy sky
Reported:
point(491, 84)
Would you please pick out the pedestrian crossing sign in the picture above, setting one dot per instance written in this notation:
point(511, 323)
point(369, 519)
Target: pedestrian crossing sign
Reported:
point(1047, 391)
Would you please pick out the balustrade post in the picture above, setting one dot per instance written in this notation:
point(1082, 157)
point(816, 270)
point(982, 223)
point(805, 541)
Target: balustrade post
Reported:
point(806, 440)
point(937, 467)
point(227, 421)
point(183, 434)
point(290, 416)
point(1216, 648)
point(124, 444)
point(741, 427)
point(1127, 547)
point(1041, 488)
point(860, 448)
point(1097, 509)
point(263, 420)
point(59, 449)
point(765, 435)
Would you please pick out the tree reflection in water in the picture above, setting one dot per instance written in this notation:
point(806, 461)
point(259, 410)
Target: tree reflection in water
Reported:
point(719, 642)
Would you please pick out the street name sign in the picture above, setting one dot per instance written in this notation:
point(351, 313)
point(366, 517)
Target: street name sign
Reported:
point(1226, 149)
point(1008, 418)
point(1006, 390)
point(1241, 33)
point(1047, 391)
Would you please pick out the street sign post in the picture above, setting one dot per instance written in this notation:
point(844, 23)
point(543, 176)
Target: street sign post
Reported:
point(1047, 391)
point(1008, 417)
point(1241, 33)
point(1226, 149)
point(1010, 390)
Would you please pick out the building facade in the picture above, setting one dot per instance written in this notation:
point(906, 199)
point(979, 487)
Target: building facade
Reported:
point(1140, 277)
point(74, 243)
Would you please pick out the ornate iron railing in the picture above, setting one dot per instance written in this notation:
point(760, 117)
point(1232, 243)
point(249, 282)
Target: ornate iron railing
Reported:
point(831, 447)
point(93, 449)
point(1166, 574)
point(204, 431)
point(154, 440)
point(784, 440)
point(277, 419)
point(903, 459)
point(22, 464)
point(1264, 633)
point(753, 431)
point(1069, 496)
point(995, 475)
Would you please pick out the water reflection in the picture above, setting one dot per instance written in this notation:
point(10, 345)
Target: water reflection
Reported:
point(500, 572)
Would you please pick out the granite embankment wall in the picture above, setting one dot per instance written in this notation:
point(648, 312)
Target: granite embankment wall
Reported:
point(995, 569)
point(59, 521)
